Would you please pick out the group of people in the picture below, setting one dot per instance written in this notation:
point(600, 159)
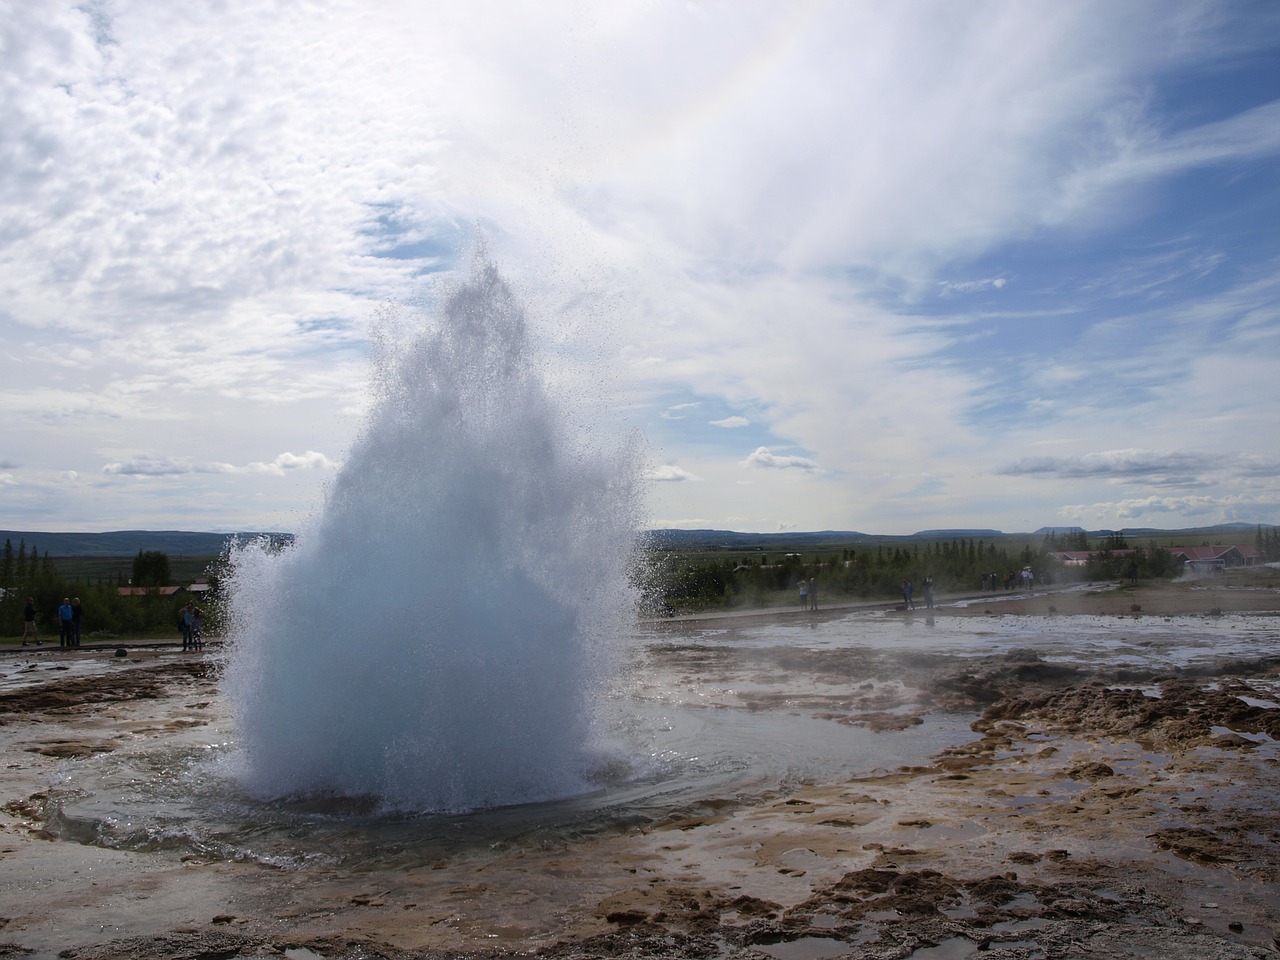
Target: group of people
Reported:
point(70, 617)
point(190, 620)
point(809, 594)
point(908, 594)
point(1025, 580)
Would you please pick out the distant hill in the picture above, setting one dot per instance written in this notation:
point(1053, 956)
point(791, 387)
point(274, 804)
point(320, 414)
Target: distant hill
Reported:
point(672, 539)
point(1228, 531)
point(126, 543)
point(957, 535)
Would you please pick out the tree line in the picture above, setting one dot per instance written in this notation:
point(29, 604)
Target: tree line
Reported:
point(674, 583)
point(669, 582)
point(27, 573)
point(1268, 544)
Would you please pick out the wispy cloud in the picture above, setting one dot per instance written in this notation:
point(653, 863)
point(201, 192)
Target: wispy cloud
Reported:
point(763, 457)
point(1142, 466)
point(951, 288)
point(150, 466)
point(1185, 509)
point(669, 473)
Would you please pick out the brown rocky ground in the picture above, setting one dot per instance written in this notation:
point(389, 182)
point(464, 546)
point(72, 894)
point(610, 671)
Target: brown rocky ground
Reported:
point(1086, 818)
point(1241, 591)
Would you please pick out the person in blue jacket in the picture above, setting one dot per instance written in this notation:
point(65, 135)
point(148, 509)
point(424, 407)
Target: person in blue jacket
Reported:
point(65, 616)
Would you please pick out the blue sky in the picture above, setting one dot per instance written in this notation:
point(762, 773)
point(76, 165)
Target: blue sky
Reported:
point(859, 265)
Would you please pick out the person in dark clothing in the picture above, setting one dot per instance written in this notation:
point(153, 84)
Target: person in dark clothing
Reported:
point(29, 623)
point(189, 620)
point(77, 615)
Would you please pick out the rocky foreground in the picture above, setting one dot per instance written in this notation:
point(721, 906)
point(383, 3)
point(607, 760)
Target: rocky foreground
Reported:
point(1090, 815)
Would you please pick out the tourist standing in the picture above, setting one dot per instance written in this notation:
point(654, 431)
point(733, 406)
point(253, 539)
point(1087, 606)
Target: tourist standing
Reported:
point(65, 614)
point(804, 594)
point(813, 593)
point(188, 621)
point(77, 615)
point(29, 623)
point(907, 590)
point(928, 593)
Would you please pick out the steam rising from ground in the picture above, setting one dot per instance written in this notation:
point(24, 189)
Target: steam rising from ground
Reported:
point(436, 636)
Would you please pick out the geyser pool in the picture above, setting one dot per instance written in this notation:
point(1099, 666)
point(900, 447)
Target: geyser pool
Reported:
point(436, 635)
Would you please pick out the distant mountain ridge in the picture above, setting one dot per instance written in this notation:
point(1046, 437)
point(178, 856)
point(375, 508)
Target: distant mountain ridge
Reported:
point(732, 540)
point(127, 543)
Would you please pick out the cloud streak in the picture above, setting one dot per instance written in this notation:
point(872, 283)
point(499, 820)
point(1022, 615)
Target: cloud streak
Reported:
point(147, 466)
point(669, 473)
point(764, 458)
point(1144, 466)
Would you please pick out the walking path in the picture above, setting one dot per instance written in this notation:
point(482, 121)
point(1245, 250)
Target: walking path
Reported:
point(941, 601)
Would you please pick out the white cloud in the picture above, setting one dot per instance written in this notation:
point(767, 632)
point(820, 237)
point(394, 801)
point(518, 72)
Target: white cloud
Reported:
point(763, 457)
point(153, 466)
point(948, 288)
point(1146, 466)
point(731, 423)
point(669, 473)
point(1157, 510)
point(311, 460)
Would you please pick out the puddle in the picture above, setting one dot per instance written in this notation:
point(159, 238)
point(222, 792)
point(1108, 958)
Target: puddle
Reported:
point(826, 921)
point(1263, 704)
point(957, 948)
point(805, 948)
point(1020, 926)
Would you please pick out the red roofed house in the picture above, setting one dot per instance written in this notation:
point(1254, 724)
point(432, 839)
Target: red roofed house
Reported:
point(147, 591)
point(1217, 558)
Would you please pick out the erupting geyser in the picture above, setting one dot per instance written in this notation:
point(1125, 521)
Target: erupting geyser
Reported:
point(437, 634)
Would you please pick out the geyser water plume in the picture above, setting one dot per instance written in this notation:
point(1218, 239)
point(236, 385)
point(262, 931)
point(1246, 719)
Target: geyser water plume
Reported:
point(435, 636)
